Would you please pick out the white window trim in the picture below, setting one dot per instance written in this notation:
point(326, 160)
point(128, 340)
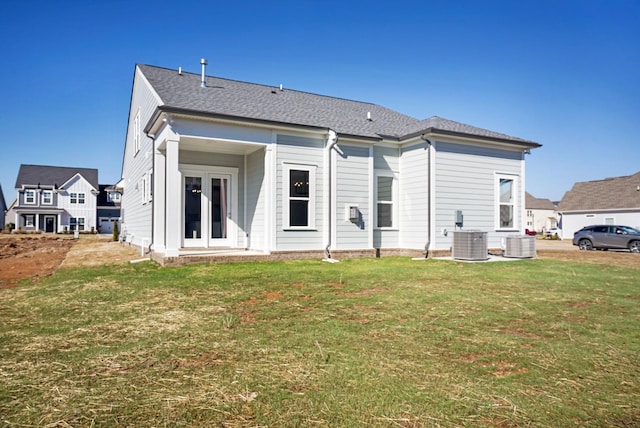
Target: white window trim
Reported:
point(26, 202)
point(43, 197)
point(77, 221)
point(516, 185)
point(146, 193)
point(33, 220)
point(136, 133)
point(394, 199)
point(286, 171)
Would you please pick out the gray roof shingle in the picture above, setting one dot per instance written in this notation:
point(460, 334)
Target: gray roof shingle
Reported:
point(268, 103)
point(53, 175)
point(610, 193)
point(533, 203)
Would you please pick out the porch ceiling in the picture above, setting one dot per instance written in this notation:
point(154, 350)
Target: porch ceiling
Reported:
point(216, 145)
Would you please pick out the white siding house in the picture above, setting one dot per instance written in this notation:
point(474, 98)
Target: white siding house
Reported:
point(220, 164)
point(610, 201)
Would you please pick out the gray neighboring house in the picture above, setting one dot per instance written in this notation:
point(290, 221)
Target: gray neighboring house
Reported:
point(3, 209)
point(541, 213)
point(211, 164)
point(610, 201)
point(55, 199)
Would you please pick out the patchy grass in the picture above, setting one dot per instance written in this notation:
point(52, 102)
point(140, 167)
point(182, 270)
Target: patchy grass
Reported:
point(383, 342)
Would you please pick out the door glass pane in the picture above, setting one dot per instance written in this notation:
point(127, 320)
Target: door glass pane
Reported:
point(192, 207)
point(219, 208)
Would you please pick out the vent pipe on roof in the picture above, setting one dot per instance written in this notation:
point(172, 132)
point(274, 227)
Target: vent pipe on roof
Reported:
point(180, 71)
point(281, 88)
point(203, 82)
point(369, 116)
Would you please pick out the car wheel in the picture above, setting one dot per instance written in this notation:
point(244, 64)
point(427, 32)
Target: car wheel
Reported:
point(634, 246)
point(585, 244)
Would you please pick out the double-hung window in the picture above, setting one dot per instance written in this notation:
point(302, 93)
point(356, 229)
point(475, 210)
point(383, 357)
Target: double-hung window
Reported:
point(386, 197)
point(77, 198)
point(47, 197)
point(506, 189)
point(299, 190)
point(76, 222)
point(29, 196)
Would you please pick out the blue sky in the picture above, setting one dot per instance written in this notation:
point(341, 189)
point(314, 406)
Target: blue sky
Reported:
point(565, 73)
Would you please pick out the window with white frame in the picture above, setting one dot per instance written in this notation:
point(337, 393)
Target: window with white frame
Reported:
point(146, 192)
point(506, 201)
point(47, 197)
point(114, 197)
point(136, 133)
point(29, 220)
point(76, 222)
point(29, 196)
point(299, 190)
point(386, 185)
point(77, 198)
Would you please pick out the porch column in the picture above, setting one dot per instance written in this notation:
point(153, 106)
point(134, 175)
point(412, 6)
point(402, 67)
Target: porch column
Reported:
point(37, 225)
point(173, 217)
point(58, 224)
point(159, 199)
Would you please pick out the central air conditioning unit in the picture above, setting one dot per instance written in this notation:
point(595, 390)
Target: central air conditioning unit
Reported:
point(521, 247)
point(470, 245)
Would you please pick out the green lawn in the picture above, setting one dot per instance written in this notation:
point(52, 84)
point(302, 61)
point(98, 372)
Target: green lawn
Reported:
point(368, 342)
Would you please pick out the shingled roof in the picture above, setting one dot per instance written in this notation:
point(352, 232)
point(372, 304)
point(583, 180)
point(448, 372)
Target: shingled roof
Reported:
point(610, 193)
point(533, 203)
point(32, 175)
point(241, 100)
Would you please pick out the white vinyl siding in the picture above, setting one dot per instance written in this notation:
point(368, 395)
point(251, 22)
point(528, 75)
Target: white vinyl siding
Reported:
point(352, 179)
point(303, 152)
point(386, 160)
point(87, 210)
point(136, 217)
point(465, 179)
point(414, 196)
point(256, 201)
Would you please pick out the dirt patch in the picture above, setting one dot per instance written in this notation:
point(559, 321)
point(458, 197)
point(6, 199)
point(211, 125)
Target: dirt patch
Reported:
point(35, 256)
point(611, 258)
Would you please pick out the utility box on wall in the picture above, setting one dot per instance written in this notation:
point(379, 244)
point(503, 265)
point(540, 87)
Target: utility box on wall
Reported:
point(469, 245)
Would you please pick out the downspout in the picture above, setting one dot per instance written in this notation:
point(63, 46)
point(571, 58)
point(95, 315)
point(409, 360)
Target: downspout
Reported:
point(428, 243)
point(153, 190)
point(332, 140)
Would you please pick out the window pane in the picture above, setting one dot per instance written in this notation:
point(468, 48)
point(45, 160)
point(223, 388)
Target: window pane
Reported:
point(192, 207)
point(506, 191)
point(385, 189)
point(384, 215)
point(506, 216)
point(298, 184)
point(298, 213)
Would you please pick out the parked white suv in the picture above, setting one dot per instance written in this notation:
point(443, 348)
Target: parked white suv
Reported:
point(553, 233)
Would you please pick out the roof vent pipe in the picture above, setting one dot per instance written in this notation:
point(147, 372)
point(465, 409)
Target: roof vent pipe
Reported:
point(203, 83)
point(369, 116)
point(281, 88)
point(180, 71)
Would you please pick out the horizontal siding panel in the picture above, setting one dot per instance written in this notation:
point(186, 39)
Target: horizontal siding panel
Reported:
point(352, 188)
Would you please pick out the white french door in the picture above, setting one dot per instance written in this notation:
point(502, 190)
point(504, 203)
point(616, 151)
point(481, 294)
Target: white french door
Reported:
point(209, 207)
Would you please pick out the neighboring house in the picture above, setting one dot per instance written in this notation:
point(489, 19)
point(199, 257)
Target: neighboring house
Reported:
point(108, 208)
point(541, 213)
point(55, 199)
point(211, 163)
point(3, 209)
point(609, 201)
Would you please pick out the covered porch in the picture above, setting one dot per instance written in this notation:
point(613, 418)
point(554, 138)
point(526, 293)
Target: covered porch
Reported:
point(209, 195)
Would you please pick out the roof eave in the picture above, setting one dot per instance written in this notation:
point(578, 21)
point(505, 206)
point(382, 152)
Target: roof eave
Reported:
point(448, 133)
